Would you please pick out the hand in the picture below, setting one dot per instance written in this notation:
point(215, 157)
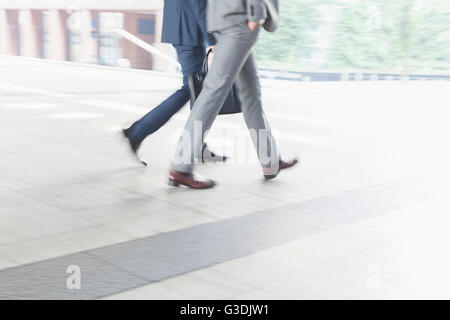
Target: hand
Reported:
point(211, 55)
point(253, 25)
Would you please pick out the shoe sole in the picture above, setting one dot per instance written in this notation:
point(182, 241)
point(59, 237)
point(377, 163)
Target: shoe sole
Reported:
point(270, 177)
point(177, 184)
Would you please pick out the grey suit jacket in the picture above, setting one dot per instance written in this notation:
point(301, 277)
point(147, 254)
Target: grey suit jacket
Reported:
point(223, 14)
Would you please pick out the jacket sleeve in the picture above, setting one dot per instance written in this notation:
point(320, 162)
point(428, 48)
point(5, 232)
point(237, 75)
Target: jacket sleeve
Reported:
point(199, 8)
point(256, 11)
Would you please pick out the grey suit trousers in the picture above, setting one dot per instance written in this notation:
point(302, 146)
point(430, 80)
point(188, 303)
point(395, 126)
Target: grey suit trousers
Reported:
point(233, 62)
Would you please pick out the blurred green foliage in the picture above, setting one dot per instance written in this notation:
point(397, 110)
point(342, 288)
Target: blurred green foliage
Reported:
point(409, 36)
point(287, 46)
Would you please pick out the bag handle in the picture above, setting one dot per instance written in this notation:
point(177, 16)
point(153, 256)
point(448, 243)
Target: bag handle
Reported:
point(205, 67)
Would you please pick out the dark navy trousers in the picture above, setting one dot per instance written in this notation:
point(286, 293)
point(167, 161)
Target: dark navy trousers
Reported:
point(191, 60)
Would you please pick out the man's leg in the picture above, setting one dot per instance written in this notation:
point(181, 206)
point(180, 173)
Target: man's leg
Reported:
point(255, 119)
point(266, 147)
point(191, 60)
point(233, 47)
point(159, 116)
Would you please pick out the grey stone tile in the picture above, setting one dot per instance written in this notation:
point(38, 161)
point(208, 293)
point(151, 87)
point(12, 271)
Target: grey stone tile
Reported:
point(48, 279)
point(60, 244)
point(79, 196)
point(10, 198)
point(35, 220)
point(197, 247)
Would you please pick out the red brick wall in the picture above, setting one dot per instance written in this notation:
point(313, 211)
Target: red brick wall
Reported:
point(138, 57)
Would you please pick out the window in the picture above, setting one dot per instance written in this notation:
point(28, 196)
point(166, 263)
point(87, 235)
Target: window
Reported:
point(146, 26)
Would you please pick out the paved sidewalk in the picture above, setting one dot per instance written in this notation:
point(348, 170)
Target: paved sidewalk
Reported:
point(363, 216)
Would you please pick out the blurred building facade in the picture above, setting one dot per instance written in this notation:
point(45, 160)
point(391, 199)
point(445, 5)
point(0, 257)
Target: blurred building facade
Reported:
point(82, 30)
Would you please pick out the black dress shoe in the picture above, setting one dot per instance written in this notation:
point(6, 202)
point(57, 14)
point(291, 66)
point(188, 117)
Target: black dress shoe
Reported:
point(212, 157)
point(282, 165)
point(134, 146)
point(209, 156)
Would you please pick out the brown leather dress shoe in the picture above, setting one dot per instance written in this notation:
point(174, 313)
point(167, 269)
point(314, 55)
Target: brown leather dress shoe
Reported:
point(177, 178)
point(281, 166)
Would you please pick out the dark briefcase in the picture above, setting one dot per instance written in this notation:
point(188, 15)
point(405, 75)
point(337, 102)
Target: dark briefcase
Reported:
point(232, 103)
